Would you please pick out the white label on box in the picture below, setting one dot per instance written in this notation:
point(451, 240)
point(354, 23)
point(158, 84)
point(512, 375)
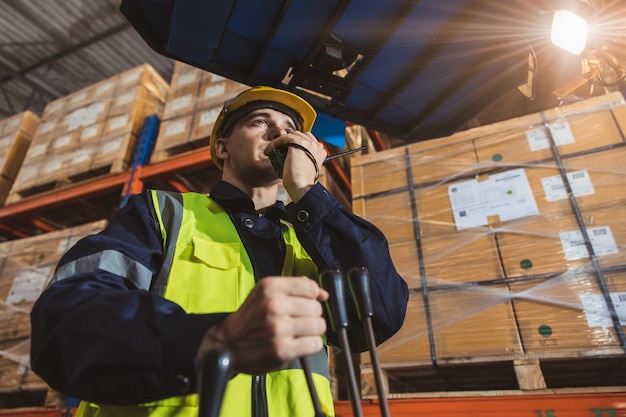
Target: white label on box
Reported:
point(538, 138)
point(507, 195)
point(118, 122)
point(132, 77)
point(52, 166)
point(5, 142)
point(104, 89)
point(82, 156)
point(47, 127)
point(579, 181)
point(12, 124)
point(55, 106)
point(208, 116)
point(187, 78)
point(84, 116)
point(561, 133)
point(597, 311)
point(112, 146)
point(215, 90)
point(176, 127)
point(601, 240)
point(63, 141)
point(125, 98)
point(27, 284)
point(181, 102)
point(78, 98)
point(62, 246)
point(38, 149)
point(89, 132)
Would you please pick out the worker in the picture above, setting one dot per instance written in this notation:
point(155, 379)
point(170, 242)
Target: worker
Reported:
point(131, 311)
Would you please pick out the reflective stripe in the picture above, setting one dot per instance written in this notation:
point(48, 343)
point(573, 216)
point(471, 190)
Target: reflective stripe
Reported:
point(318, 362)
point(169, 207)
point(111, 261)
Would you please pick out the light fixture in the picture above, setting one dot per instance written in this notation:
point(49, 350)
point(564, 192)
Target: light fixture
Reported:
point(569, 31)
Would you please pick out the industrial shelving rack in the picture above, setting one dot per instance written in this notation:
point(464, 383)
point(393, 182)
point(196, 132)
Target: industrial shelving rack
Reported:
point(97, 198)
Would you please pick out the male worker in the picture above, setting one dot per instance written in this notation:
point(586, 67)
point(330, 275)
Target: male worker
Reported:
point(131, 310)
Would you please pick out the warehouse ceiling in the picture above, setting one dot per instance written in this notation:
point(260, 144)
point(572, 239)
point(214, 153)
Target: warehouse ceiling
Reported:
point(53, 48)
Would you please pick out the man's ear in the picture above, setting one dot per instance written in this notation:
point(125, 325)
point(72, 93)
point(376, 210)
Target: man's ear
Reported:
point(221, 151)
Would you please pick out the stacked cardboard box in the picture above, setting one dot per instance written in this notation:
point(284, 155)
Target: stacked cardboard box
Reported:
point(16, 133)
point(26, 266)
point(194, 101)
point(91, 132)
point(494, 244)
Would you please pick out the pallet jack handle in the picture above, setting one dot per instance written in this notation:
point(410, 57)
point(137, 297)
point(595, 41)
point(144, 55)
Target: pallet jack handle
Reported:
point(214, 374)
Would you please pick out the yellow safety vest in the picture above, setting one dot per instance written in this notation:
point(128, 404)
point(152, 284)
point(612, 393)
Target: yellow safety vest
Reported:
point(207, 270)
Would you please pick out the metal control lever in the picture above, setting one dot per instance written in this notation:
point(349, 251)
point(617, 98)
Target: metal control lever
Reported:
point(317, 406)
point(332, 281)
point(214, 375)
point(358, 281)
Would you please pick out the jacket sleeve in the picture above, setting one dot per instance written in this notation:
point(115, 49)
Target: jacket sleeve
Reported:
point(98, 334)
point(338, 239)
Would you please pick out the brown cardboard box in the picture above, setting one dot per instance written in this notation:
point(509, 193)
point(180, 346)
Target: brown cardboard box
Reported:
point(193, 103)
point(553, 245)
point(557, 314)
point(16, 134)
point(574, 128)
point(465, 257)
point(402, 191)
point(412, 342)
point(84, 122)
point(465, 322)
point(26, 266)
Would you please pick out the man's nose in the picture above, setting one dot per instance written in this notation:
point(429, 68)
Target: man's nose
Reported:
point(276, 131)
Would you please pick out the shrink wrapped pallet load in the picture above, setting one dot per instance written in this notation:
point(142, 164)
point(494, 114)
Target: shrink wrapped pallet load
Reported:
point(90, 132)
point(26, 266)
point(491, 240)
point(193, 103)
point(16, 133)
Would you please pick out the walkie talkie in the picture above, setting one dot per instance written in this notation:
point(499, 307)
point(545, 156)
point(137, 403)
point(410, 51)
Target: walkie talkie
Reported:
point(277, 158)
point(279, 154)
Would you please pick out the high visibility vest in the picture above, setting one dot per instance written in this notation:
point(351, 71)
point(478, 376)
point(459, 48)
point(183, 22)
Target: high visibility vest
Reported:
point(206, 269)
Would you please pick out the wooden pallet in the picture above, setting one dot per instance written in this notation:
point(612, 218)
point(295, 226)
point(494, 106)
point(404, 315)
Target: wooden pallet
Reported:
point(70, 177)
point(497, 376)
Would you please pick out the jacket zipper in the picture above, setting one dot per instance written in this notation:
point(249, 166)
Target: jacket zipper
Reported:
point(259, 396)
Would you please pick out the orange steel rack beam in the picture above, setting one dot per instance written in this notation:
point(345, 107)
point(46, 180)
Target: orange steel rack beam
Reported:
point(55, 198)
point(545, 405)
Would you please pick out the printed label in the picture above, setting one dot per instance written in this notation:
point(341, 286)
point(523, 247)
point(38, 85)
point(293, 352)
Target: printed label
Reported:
point(181, 102)
point(125, 98)
point(187, 78)
point(27, 284)
point(63, 141)
point(215, 90)
point(208, 117)
point(597, 310)
point(601, 240)
point(507, 195)
point(89, 132)
point(538, 138)
point(118, 122)
point(579, 181)
point(176, 127)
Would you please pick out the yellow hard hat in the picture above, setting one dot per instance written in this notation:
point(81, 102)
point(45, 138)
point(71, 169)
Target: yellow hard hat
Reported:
point(255, 98)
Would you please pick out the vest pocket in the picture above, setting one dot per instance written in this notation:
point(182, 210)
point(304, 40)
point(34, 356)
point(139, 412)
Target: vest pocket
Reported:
point(207, 277)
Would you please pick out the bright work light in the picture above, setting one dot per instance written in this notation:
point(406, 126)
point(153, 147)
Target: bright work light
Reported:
point(569, 31)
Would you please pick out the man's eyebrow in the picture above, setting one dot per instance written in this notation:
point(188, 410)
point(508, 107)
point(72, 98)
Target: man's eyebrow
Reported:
point(266, 115)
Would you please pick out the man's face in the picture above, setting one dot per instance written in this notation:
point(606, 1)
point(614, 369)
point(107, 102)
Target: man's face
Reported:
point(247, 142)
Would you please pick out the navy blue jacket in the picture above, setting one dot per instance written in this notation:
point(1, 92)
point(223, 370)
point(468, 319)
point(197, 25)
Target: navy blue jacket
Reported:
point(97, 337)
